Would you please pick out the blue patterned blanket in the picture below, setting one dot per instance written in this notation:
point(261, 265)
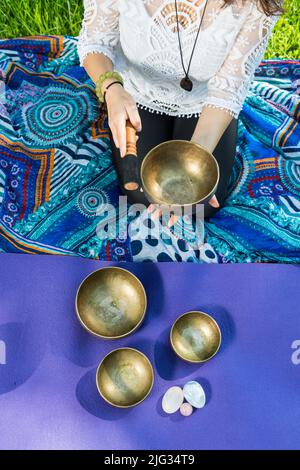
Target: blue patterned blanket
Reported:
point(56, 170)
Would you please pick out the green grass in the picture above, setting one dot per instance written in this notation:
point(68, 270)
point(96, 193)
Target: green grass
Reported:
point(285, 42)
point(34, 17)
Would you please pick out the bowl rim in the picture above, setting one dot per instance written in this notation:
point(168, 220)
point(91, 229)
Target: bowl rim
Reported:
point(152, 376)
point(210, 194)
point(190, 360)
point(98, 335)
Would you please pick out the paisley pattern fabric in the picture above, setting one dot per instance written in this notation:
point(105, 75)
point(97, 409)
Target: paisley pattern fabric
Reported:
point(55, 162)
point(58, 187)
point(52, 117)
point(261, 217)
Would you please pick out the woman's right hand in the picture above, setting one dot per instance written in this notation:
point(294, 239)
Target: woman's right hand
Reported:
point(120, 107)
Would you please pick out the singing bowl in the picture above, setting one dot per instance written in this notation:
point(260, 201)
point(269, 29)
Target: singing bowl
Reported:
point(111, 303)
point(195, 337)
point(124, 377)
point(179, 173)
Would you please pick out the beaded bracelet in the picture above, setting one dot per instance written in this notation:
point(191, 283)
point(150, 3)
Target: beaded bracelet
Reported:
point(104, 76)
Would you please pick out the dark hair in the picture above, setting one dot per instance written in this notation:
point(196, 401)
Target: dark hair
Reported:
point(269, 7)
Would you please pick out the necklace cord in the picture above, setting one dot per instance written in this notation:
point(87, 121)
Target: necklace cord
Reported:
point(179, 41)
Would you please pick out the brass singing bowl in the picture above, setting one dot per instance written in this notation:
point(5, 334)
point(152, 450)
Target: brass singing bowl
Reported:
point(195, 337)
point(124, 377)
point(179, 173)
point(111, 303)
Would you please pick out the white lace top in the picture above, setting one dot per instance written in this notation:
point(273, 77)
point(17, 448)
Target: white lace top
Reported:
point(140, 37)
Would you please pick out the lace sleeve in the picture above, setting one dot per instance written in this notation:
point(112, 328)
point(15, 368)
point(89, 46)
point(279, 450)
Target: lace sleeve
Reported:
point(100, 29)
point(229, 87)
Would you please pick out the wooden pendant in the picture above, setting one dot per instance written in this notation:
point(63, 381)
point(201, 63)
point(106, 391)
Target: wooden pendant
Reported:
point(187, 84)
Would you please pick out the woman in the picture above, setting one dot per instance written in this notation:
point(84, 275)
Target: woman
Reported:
point(183, 67)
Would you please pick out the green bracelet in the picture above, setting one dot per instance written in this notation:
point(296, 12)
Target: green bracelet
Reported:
point(104, 76)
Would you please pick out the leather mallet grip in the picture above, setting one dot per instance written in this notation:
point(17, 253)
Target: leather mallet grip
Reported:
point(130, 174)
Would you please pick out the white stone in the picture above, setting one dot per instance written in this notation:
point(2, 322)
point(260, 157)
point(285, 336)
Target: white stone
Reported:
point(194, 394)
point(172, 400)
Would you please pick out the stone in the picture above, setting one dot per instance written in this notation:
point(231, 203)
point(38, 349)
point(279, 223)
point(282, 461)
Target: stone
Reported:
point(186, 409)
point(194, 394)
point(172, 400)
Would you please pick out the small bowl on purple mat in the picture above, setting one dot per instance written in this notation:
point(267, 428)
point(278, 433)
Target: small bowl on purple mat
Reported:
point(195, 337)
point(111, 303)
point(124, 377)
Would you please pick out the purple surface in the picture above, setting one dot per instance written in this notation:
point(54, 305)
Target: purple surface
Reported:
point(48, 396)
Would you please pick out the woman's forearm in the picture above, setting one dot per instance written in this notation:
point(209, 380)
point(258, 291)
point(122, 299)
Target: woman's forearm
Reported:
point(210, 127)
point(96, 64)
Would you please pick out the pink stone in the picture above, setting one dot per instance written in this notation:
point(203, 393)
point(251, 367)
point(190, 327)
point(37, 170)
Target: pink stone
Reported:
point(186, 409)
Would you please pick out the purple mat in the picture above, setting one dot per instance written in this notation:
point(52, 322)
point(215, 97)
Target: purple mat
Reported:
point(48, 396)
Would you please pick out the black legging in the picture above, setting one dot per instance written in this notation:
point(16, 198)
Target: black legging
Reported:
point(157, 128)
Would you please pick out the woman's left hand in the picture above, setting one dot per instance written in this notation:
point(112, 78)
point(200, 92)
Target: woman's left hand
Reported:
point(156, 211)
point(214, 202)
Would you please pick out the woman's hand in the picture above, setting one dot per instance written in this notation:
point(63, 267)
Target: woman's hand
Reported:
point(210, 127)
point(213, 201)
point(120, 107)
